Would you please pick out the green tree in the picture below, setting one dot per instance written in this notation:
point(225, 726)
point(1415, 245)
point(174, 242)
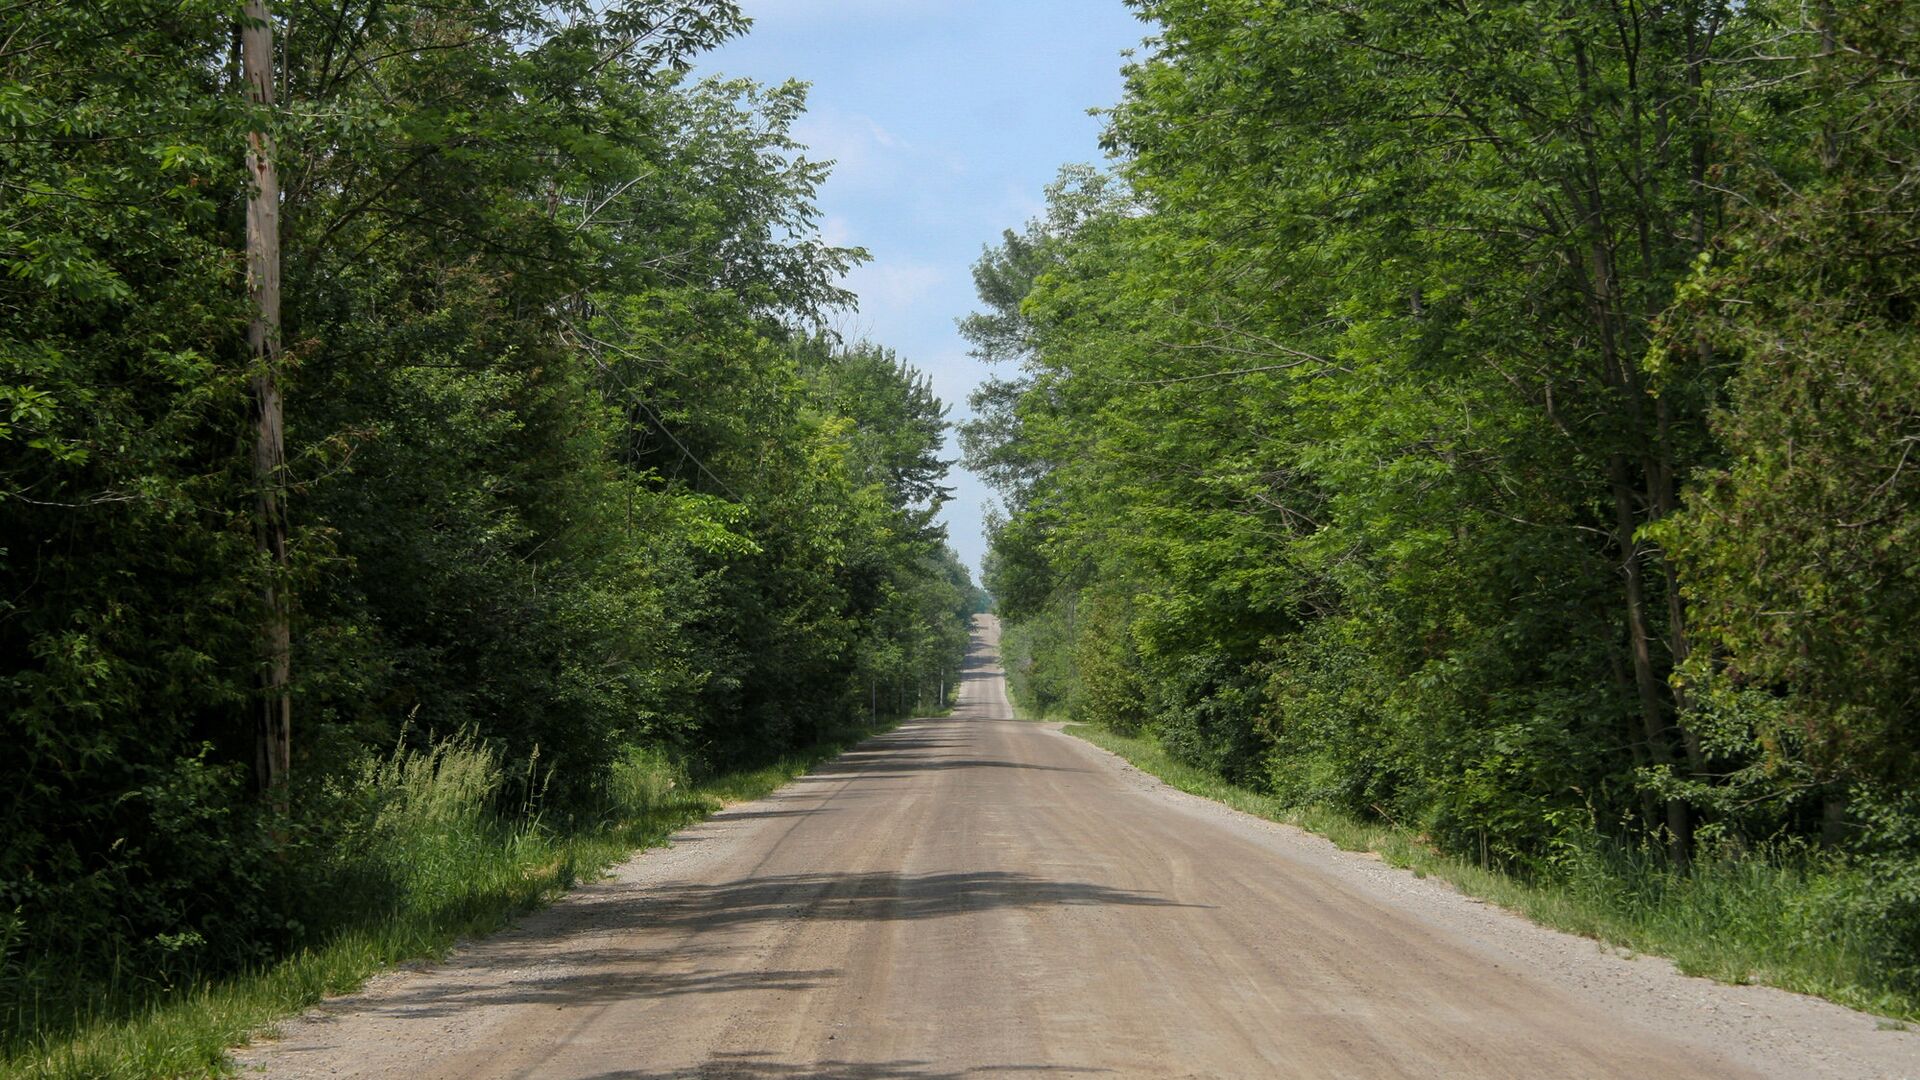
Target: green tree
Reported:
point(568, 468)
point(1797, 550)
point(1339, 416)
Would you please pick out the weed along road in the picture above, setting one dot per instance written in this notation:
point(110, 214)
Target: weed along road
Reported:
point(977, 896)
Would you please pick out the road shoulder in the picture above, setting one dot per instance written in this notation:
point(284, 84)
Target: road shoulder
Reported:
point(1763, 1028)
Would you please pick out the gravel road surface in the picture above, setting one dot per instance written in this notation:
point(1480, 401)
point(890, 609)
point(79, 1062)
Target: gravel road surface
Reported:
point(976, 896)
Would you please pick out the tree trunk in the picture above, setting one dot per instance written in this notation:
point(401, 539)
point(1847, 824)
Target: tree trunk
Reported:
point(1666, 502)
point(1833, 818)
point(1619, 374)
point(273, 733)
point(1666, 490)
point(1653, 705)
point(1636, 745)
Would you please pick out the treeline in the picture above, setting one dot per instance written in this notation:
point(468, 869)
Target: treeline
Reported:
point(1495, 419)
point(570, 465)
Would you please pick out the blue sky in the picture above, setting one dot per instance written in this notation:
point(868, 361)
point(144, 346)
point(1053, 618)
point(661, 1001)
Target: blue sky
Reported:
point(946, 119)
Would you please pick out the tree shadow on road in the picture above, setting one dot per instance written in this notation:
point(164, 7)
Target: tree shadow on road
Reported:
point(750, 1065)
point(593, 958)
point(752, 815)
point(600, 977)
point(876, 897)
point(899, 742)
point(903, 753)
point(897, 766)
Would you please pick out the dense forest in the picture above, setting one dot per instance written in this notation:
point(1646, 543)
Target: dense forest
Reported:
point(424, 441)
point(386, 386)
point(1497, 420)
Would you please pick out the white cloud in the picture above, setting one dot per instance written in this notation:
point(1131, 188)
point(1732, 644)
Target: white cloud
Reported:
point(836, 230)
point(821, 10)
point(863, 153)
point(887, 286)
point(884, 137)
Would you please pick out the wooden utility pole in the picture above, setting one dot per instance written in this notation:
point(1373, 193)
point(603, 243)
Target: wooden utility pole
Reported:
point(273, 735)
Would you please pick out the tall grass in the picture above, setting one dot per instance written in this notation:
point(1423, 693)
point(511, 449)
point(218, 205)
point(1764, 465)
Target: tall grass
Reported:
point(424, 857)
point(1786, 917)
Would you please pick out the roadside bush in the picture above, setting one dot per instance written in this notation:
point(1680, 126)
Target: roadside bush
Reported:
point(188, 883)
point(1887, 896)
point(420, 820)
point(1323, 718)
point(1037, 656)
point(1111, 690)
point(1207, 715)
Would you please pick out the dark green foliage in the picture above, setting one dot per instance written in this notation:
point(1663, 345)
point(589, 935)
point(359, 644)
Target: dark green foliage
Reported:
point(126, 565)
point(1206, 712)
point(1799, 552)
point(571, 469)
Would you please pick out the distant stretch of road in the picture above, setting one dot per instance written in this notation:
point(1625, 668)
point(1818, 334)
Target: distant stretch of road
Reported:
point(977, 896)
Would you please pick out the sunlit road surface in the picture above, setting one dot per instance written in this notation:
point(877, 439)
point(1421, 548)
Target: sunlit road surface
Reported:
point(977, 896)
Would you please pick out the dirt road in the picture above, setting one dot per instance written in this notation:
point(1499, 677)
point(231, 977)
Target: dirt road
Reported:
point(975, 896)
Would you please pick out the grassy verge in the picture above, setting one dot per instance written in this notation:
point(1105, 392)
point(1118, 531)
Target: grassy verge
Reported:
point(461, 872)
point(1747, 920)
